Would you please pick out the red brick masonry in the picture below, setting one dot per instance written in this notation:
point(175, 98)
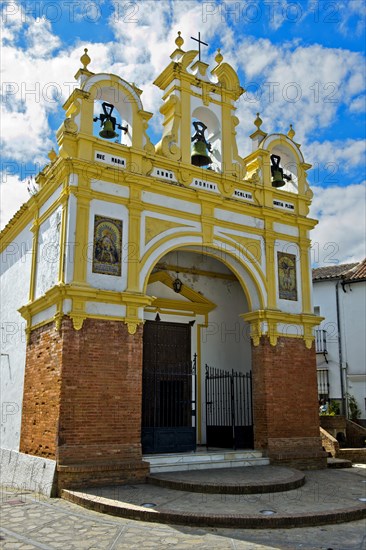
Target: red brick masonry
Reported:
point(82, 401)
point(285, 403)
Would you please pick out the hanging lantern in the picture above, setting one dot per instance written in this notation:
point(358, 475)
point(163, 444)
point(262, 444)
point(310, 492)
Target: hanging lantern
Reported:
point(177, 284)
point(109, 122)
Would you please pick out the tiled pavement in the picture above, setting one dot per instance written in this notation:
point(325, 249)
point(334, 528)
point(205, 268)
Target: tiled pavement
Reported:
point(30, 522)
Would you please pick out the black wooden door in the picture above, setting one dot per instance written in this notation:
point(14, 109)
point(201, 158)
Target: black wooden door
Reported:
point(168, 389)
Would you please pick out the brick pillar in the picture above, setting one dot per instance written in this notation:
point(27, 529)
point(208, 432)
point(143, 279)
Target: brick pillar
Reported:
point(285, 403)
point(91, 407)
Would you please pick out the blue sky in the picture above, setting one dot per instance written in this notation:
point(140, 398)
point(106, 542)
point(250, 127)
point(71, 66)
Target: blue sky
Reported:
point(302, 62)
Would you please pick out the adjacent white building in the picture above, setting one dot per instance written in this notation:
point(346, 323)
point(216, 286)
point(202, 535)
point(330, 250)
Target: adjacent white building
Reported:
point(340, 297)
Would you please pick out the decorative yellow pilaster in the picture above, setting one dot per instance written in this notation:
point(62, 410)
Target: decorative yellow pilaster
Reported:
point(64, 202)
point(269, 237)
point(305, 271)
point(208, 222)
point(132, 258)
point(35, 231)
point(82, 232)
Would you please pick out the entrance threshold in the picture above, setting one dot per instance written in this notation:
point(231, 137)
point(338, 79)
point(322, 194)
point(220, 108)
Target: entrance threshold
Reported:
point(203, 459)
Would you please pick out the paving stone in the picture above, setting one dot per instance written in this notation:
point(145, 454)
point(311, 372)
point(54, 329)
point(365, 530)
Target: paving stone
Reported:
point(75, 528)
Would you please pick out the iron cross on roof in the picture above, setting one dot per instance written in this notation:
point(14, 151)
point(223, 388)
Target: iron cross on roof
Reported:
point(199, 44)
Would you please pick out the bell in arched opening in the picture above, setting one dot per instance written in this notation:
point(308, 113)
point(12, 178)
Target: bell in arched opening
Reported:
point(109, 122)
point(278, 177)
point(200, 147)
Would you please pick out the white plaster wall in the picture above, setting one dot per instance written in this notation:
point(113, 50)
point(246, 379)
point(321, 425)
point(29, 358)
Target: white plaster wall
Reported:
point(105, 309)
point(353, 321)
point(44, 315)
point(50, 201)
point(353, 325)
point(48, 253)
point(116, 211)
point(15, 266)
point(170, 202)
point(352, 307)
point(110, 188)
point(240, 219)
point(324, 297)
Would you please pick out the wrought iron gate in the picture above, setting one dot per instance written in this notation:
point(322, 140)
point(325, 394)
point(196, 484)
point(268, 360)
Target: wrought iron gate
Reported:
point(169, 408)
point(229, 417)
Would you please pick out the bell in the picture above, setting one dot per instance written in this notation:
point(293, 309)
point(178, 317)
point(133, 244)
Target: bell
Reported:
point(199, 155)
point(277, 180)
point(108, 130)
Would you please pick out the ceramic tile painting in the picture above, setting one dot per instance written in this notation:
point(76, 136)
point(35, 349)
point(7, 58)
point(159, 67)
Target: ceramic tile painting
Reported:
point(107, 246)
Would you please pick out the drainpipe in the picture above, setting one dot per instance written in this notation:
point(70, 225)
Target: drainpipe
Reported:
point(340, 354)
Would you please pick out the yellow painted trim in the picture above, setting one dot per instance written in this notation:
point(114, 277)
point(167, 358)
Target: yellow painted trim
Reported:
point(61, 271)
point(99, 195)
point(272, 317)
point(156, 226)
point(134, 232)
point(269, 242)
point(197, 303)
point(169, 312)
point(214, 247)
point(305, 273)
point(246, 267)
point(196, 271)
point(32, 281)
point(79, 296)
point(81, 238)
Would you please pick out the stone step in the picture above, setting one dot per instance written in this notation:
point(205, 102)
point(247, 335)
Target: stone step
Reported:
point(203, 460)
point(238, 507)
point(338, 463)
point(231, 481)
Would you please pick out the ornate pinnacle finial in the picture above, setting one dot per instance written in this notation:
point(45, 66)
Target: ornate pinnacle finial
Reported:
point(258, 122)
point(291, 132)
point(179, 40)
point(85, 59)
point(219, 57)
point(52, 155)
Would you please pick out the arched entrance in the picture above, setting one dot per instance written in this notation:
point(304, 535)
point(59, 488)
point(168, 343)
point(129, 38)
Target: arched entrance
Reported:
point(196, 356)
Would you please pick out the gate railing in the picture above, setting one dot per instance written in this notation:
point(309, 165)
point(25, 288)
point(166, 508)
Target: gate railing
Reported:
point(169, 407)
point(229, 416)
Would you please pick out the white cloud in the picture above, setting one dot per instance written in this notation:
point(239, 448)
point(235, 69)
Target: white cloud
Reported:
point(358, 105)
point(348, 10)
point(340, 235)
point(290, 83)
point(41, 42)
point(11, 22)
point(346, 155)
point(283, 11)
